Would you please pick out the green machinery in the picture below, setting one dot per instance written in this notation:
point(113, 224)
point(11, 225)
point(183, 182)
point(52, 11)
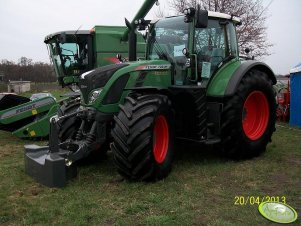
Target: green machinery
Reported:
point(75, 52)
point(72, 53)
point(191, 86)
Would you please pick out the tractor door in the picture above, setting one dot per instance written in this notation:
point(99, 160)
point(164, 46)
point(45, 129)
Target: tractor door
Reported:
point(213, 47)
point(166, 40)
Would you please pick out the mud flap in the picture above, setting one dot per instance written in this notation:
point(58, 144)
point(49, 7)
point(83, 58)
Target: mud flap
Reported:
point(47, 168)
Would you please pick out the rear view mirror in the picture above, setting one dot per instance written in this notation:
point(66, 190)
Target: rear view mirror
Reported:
point(201, 18)
point(185, 52)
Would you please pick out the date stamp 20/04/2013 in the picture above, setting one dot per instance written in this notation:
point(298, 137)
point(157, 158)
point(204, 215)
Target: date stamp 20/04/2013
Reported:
point(253, 200)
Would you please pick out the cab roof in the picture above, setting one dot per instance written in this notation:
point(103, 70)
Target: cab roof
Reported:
point(224, 16)
point(77, 32)
point(211, 14)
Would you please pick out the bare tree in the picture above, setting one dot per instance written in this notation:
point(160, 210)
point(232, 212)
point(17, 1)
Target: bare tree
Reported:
point(252, 32)
point(24, 61)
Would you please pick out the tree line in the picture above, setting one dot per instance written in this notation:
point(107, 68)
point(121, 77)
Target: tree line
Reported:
point(27, 70)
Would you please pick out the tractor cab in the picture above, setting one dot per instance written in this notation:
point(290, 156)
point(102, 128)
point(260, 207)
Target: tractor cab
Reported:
point(71, 54)
point(195, 52)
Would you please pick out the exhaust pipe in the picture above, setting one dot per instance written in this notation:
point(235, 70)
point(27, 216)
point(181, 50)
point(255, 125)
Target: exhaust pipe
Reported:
point(132, 41)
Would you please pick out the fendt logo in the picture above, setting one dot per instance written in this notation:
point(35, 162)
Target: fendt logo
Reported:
point(153, 67)
point(30, 107)
point(157, 67)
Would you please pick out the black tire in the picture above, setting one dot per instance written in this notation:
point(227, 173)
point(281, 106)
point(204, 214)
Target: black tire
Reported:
point(69, 126)
point(134, 145)
point(239, 138)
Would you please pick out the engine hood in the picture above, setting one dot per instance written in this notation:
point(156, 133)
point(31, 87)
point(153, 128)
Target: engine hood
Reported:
point(97, 78)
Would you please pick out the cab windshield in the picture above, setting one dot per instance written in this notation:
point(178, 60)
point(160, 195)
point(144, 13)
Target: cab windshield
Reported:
point(70, 57)
point(168, 38)
point(63, 57)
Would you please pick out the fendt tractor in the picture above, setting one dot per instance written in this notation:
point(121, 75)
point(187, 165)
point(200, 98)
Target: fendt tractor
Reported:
point(192, 86)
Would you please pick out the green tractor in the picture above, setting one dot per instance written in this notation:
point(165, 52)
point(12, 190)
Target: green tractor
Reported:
point(191, 86)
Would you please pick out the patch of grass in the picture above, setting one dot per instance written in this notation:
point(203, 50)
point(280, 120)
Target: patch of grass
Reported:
point(200, 190)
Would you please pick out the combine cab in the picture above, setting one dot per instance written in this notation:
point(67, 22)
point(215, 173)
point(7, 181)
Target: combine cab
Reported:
point(76, 52)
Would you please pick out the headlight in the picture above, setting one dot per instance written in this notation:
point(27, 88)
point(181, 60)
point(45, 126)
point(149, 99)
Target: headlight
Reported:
point(94, 96)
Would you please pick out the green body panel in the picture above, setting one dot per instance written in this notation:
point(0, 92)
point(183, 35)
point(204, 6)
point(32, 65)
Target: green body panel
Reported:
point(41, 109)
point(38, 128)
point(159, 78)
point(70, 79)
point(25, 110)
point(218, 84)
point(158, 73)
point(107, 43)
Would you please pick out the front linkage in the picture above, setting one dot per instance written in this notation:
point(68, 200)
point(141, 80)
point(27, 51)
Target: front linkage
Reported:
point(53, 165)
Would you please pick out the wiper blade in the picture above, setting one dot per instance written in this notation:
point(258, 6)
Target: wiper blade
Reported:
point(158, 49)
point(68, 50)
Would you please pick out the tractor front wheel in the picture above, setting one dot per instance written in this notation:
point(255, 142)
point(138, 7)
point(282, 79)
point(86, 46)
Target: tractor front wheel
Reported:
point(68, 126)
point(143, 138)
point(248, 119)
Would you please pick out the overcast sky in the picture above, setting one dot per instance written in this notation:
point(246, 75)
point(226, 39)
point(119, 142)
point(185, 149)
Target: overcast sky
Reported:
point(24, 24)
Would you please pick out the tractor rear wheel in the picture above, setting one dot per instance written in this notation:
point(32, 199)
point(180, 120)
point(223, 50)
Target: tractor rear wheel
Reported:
point(248, 118)
point(143, 138)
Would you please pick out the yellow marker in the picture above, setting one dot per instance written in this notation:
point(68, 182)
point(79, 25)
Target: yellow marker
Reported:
point(34, 111)
point(32, 133)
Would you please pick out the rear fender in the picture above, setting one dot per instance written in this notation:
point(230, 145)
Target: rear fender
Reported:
point(243, 69)
point(225, 82)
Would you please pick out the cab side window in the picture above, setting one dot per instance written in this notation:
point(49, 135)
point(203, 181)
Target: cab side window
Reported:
point(210, 47)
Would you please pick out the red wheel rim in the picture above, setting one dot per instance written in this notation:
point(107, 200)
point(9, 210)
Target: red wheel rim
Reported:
point(161, 139)
point(255, 116)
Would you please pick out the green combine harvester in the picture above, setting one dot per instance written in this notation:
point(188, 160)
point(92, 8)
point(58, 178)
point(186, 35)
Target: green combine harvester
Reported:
point(192, 86)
